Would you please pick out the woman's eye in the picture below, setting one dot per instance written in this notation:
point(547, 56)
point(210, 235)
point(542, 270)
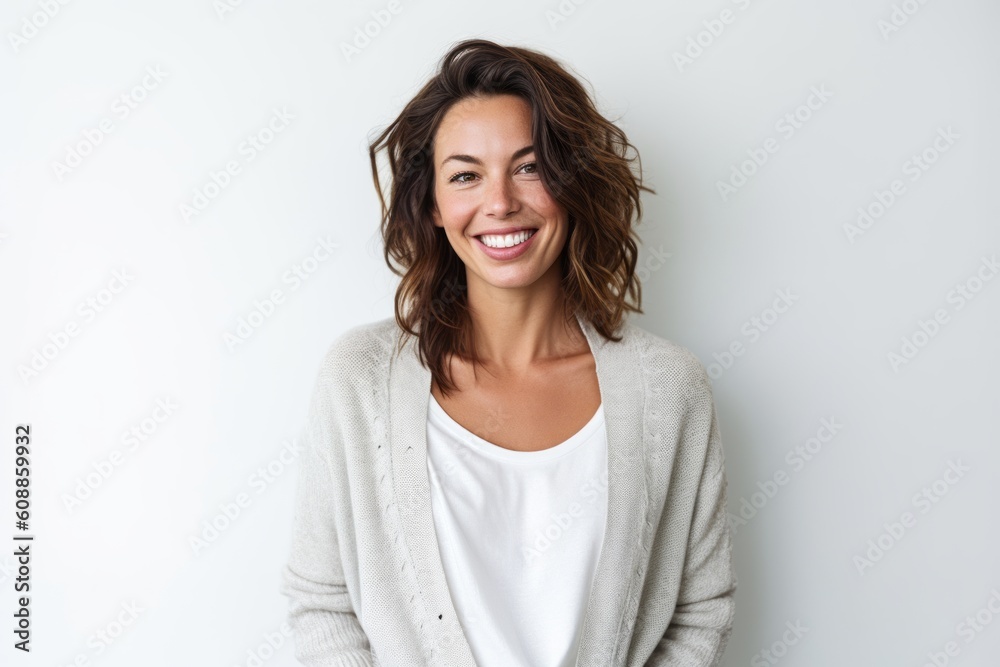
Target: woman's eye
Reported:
point(467, 176)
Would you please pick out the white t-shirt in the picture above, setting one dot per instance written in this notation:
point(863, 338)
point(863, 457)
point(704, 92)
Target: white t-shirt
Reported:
point(520, 536)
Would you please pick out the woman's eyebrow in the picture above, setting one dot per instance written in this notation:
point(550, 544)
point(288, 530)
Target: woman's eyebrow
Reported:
point(474, 160)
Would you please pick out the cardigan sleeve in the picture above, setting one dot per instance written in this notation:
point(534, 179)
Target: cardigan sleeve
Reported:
point(325, 627)
point(703, 617)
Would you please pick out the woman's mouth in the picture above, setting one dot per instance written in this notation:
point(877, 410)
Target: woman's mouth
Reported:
point(505, 246)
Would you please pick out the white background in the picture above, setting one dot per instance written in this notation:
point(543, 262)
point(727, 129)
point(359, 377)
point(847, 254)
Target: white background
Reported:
point(162, 335)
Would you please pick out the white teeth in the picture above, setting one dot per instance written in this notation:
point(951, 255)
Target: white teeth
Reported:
point(502, 241)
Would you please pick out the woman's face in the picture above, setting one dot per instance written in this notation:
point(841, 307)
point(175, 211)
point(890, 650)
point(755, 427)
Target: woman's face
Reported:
point(486, 183)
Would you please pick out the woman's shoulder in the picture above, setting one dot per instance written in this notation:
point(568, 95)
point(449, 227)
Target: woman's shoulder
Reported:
point(362, 349)
point(668, 362)
point(366, 336)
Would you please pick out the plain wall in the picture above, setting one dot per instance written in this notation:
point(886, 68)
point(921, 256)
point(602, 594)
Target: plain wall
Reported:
point(878, 343)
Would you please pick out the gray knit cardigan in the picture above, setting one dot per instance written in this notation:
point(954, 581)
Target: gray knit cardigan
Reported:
point(364, 578)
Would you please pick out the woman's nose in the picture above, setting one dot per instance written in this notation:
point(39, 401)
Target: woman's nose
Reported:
point(500, 200)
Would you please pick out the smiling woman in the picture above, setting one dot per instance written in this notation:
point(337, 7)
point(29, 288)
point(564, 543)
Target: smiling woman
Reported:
point(476, 206)
point(509, 472)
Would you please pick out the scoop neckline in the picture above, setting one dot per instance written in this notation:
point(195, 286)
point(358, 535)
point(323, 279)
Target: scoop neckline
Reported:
point(497, 452)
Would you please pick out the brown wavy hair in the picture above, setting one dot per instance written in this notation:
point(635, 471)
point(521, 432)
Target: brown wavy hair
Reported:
point(583, 161)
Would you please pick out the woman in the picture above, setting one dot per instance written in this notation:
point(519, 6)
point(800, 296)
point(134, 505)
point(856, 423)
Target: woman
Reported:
point(508, 472)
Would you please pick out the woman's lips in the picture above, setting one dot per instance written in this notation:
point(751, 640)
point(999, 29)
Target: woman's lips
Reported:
point(506, 253)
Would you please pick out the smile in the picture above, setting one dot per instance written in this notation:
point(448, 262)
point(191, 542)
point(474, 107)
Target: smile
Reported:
point(506, 246)
point(506, 240)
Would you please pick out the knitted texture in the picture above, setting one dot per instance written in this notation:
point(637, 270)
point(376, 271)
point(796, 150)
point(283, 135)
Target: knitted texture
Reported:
point(364, 577)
